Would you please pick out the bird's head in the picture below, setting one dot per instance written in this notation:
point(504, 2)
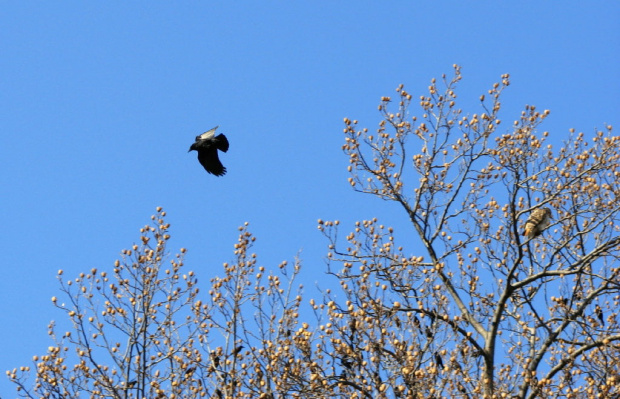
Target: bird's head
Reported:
point(193, 147)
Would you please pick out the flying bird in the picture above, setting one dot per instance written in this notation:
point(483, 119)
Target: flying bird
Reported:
point(207, 145)
point(538, 221)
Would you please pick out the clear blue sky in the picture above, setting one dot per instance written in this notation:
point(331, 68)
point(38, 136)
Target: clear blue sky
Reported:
point(100, 101)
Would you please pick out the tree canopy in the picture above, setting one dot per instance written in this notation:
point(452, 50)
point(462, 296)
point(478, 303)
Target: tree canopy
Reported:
point(472, 308)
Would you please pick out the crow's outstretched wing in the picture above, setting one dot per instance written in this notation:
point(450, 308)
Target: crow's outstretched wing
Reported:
point(221, 142)
point(207, 135)
point(209, 160)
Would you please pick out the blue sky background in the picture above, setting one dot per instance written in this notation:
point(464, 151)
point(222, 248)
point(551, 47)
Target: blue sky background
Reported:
point(100, 101)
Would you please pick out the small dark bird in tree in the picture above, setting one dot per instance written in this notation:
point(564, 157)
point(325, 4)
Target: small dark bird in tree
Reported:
point(216, 359)
point(429, 332)
point(438, 360)
point(462, 389)
point(207, 145)
point(190, 371)
point(237, 350)
point(599, 314)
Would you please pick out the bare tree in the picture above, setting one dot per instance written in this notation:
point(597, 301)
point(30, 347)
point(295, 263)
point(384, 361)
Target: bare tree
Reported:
point(476, 306)
point(131, 336)
point(545, 308)
point(143, 330)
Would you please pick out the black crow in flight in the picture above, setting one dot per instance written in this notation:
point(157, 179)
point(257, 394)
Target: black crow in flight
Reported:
point(207, 145)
